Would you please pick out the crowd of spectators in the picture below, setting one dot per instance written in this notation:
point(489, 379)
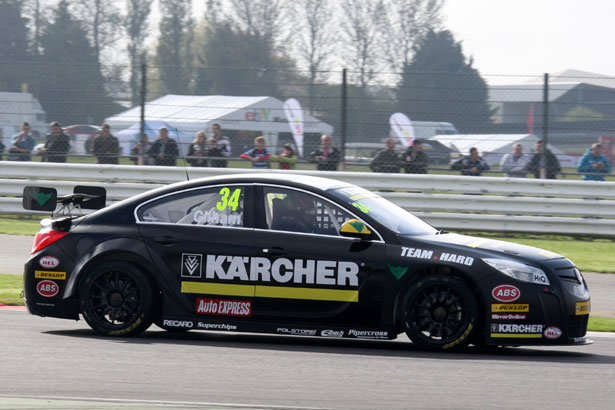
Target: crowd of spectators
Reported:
point(216, 150)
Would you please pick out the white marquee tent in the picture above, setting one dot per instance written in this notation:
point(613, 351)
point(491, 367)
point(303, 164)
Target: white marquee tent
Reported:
point(192, 113)
point(492, 147)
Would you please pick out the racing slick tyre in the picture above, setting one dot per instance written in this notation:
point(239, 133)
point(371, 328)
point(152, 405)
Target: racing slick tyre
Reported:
point(117, 299)
point(439, 313)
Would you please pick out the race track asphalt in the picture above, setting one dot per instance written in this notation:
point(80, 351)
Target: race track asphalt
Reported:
point(49, 362)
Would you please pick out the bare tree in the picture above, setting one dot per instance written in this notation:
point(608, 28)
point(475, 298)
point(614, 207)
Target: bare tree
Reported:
point(213, 10)
point(264, 18)
point(363, 26)
point(316, 38)
point(407, 23)
point(102, 20)
point(32, 10)
point(137, 13)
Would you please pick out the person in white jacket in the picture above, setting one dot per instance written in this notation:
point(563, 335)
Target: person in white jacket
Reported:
point(514, 164)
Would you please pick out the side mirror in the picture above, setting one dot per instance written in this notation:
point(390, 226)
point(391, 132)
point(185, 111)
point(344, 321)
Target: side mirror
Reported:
point(354, 228)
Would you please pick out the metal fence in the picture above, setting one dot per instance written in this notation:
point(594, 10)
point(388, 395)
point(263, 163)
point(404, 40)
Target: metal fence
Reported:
point(572, 111)
point(449, 202)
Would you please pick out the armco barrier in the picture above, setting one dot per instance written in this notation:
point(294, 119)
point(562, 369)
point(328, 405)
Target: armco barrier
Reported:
point(446, 201)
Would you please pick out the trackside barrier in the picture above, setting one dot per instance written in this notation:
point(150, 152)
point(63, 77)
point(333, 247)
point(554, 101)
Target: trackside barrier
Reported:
point(446, 201)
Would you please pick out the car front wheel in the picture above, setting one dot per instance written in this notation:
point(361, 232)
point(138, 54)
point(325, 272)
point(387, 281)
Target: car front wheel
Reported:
point(439, 313)
point(117, 299)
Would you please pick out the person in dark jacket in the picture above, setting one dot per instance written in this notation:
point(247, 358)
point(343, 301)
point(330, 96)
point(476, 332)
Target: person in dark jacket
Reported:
point(106, 147)
point(471, 165)
point(57, 144)
point(164, 150)
point(414, 160)
point(386, 160)
point(198, 151)
point(327, 156)
point(537, 166)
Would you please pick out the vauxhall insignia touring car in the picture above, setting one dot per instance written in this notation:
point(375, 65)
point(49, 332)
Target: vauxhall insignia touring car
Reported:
point(292, 254)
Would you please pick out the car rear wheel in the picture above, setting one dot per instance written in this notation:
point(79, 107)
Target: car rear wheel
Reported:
point(117, 299)
point(439, 313)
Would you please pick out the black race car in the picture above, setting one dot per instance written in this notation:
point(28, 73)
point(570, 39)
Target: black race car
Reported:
point(293, 254)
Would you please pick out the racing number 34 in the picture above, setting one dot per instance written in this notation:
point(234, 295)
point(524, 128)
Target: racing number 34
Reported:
point(225, 201)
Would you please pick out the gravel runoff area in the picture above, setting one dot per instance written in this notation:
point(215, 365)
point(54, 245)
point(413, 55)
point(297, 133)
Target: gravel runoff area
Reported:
point(16, 249)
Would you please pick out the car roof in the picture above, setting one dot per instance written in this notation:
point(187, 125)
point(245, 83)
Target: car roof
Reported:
point(324, 184)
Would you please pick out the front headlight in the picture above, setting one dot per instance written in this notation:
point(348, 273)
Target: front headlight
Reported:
point(519, 271)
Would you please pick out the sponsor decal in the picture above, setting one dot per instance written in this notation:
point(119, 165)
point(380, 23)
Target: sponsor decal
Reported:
point(49, 262)
point(216, 326)
point(300, 332)
point(398, 271)
point(184, 324)
point(47, 288)
point(508, 316)
point(278, 271)
point(42, 274)
point(241, 308)
point(416, 253)
point(506, 293)
point(552, 332)
point(42, 197)
point(582, 308)
point(516, 331)
point(215, 218)
point(460, 259)
point(510, 308)
point(45, 304)
point(192, 264)
point(461, 338)
point(332, 333)
point(546, 254)
point(369, 334)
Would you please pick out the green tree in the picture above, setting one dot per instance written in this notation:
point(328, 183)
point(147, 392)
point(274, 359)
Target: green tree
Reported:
point(70, 85)
point(440, 84)
point(235, 62)
point(14, 47)
point(173, 54)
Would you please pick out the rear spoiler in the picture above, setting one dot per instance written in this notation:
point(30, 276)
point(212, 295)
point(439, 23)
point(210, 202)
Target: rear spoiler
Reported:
point(37, 198)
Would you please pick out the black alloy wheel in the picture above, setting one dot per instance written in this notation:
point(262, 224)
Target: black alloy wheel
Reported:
point(117, 299)
point(440, 313)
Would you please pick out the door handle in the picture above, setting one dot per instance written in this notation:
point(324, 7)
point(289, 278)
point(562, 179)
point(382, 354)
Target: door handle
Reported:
point(166, 240)
point(275, 251)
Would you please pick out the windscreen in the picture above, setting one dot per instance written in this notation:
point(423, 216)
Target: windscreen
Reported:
point(383, 211)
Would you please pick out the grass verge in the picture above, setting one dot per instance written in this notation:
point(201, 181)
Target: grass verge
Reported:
point(20, 225)
point(11, 285)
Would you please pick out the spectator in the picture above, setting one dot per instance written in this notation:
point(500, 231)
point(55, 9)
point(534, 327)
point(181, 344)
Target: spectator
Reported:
point(593, 164)
point(538, 168)
point(259, 156)
point(471, 165)
point(56, 144)
point(23, 143)
point(198, 151)
point(106, 147)
point(1, 150)
point(327, 156)
point(287, 157)
point(386, 160)
point(222, 146)
point(415, 160)
point(164, 150)
point(136, 152)
point(514, 164)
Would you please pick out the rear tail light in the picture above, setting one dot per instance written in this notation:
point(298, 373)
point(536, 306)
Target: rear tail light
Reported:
point(45, 238)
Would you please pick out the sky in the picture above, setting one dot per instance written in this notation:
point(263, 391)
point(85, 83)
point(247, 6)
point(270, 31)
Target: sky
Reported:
point(532, 37)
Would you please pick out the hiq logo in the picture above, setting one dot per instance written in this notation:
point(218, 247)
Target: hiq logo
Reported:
point(260, 114)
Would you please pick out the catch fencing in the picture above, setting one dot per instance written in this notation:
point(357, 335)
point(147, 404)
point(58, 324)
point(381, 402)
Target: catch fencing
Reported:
point(493, 204)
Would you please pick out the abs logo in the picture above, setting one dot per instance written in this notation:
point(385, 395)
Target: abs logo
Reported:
point(506, 293)
point(192, 264)
point(47, 288)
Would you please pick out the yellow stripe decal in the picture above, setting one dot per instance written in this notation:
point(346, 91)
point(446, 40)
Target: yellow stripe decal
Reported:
point(478, 243)
point(518, 335)
point(277, 292)
point(218, 289)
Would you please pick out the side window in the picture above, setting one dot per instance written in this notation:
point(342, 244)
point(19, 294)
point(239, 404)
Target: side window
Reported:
point(218, 206)
point(296, 211)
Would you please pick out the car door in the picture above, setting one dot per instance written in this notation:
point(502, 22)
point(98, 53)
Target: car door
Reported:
point(200, 239)
point(315, 275)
